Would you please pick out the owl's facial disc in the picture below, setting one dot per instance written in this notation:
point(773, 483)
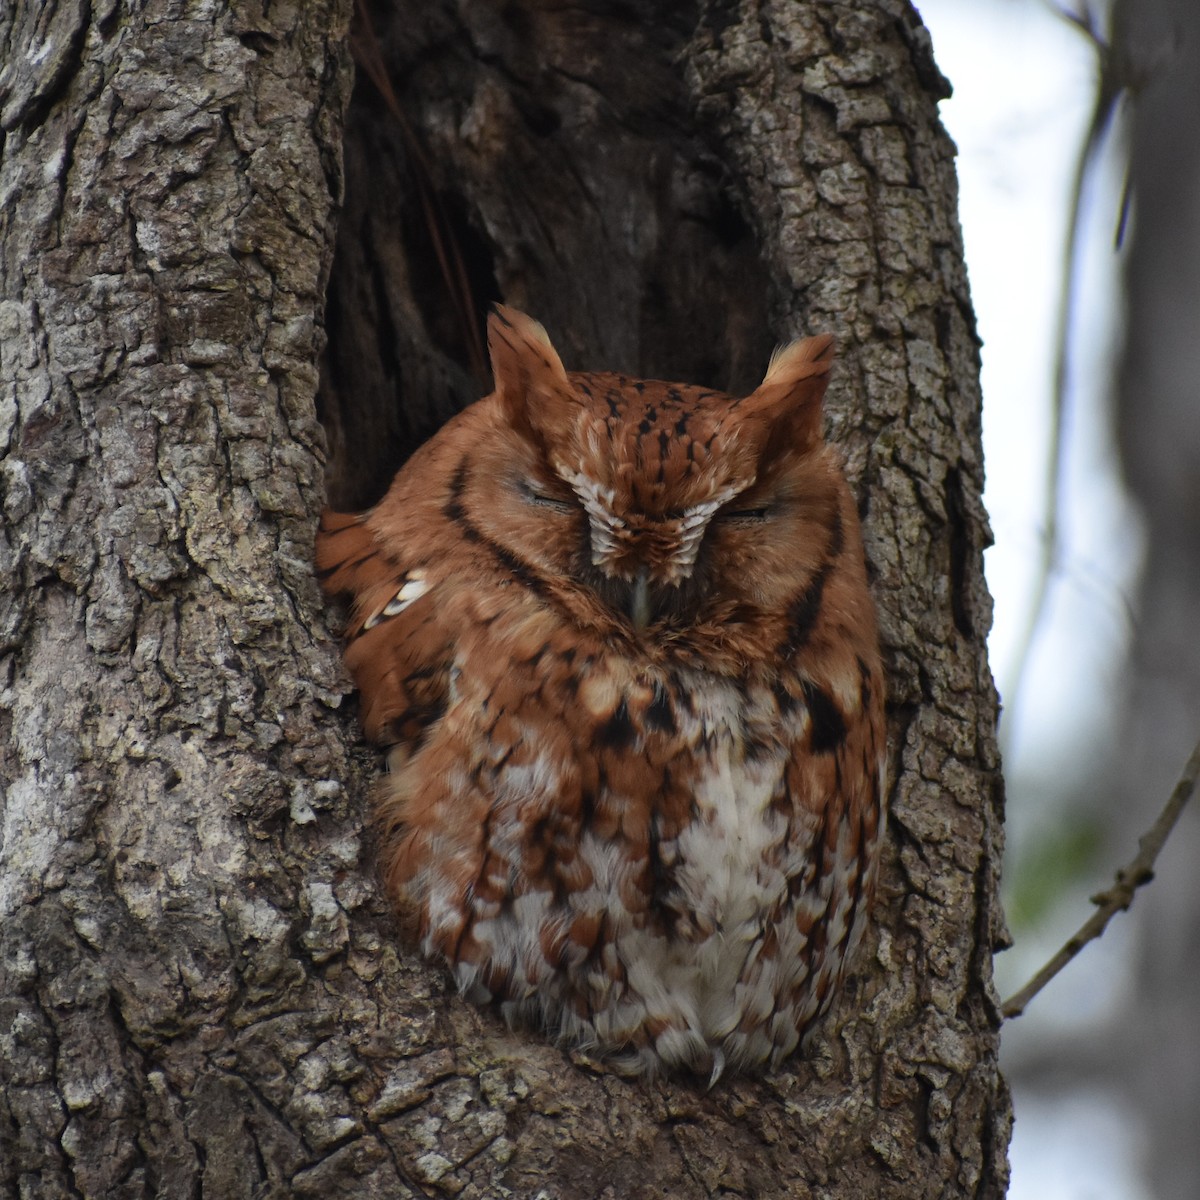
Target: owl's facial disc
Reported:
point(646, 474)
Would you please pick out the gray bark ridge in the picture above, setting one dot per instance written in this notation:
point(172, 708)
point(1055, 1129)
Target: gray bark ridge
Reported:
point(168, 757)
point(200, 989)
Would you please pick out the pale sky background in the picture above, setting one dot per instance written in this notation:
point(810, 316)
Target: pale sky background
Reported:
point(1023, 87)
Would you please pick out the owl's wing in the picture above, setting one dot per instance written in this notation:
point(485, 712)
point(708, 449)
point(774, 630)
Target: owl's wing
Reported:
point(396, 649)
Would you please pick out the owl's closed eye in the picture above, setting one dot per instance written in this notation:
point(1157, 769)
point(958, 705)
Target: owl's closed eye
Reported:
point(618, 635)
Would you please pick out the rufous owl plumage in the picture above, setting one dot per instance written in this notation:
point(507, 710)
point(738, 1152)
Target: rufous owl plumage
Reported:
point(617, 636)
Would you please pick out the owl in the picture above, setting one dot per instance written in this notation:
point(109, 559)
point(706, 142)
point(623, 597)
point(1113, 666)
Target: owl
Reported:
point(616, 636)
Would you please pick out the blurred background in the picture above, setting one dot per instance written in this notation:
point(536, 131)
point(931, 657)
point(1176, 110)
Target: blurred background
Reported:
point(1079, 128)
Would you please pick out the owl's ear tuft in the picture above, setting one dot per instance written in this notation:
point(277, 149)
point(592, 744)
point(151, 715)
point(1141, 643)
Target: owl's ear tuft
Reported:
point(801, 359)
point(788, 401)
point(529, 375)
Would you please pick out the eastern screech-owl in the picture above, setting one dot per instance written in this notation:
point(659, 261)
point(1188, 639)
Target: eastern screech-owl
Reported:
point(618, 636)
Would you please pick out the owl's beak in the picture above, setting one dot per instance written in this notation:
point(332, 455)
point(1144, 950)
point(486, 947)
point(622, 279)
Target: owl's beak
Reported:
point(639, 600)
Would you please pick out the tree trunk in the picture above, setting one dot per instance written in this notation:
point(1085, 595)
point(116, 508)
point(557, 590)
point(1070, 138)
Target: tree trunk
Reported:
point(201, 989)
point(1158, 1060)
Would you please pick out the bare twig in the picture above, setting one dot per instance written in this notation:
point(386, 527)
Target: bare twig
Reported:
point(1119, 897)
point(1110, 86)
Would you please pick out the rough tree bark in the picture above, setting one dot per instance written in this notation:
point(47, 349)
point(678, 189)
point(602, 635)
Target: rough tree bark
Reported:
point(200, 991)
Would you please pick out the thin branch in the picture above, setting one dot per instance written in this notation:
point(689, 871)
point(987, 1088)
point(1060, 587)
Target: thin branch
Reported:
point(1109, 88)
point(1119, 897)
